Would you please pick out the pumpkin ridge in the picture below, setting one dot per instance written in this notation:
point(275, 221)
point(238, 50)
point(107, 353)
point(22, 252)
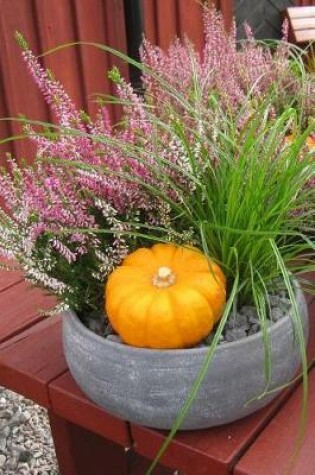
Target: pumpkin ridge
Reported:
point(180, 331)
point(166, 293)
point(197, 322)
point(124, 309)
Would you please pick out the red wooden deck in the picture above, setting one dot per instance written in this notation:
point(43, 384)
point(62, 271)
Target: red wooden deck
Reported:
point(89, 441)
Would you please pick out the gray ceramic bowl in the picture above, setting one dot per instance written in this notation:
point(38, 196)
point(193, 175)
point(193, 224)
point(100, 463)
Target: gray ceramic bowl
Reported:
point(148, 387)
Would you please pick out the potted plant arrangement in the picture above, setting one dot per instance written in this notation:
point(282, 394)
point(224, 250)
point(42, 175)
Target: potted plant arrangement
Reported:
point(174, 240)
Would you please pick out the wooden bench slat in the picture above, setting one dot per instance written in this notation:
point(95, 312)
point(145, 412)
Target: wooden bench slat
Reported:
point(20, 306)
point(9, 279)
point(206, 451)
point(303, 23)
point(69, 402)
point(31, 359)
point(302, 36)
point(81, 452)
point(301, 12)
point(311, 338)
point(272, 451)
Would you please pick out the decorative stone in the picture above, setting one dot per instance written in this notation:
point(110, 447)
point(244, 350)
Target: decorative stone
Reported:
point(248, 310)
point(3, 460)
point(235, 334)
point(276, 314)
point(114, 338)
point(38, 454)
point(6, 414)
point(25, 416)
point(25, 456)
point(237, 320)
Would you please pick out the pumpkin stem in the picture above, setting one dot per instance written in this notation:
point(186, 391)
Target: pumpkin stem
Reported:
point(164, 277)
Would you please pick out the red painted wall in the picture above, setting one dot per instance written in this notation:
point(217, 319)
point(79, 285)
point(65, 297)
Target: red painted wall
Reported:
point(81, 69)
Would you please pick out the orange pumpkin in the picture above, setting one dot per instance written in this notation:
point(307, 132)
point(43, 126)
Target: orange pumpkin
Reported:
point(165, 297)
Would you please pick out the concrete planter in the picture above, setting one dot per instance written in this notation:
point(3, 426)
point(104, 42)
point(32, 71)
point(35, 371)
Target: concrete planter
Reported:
point(148, 387)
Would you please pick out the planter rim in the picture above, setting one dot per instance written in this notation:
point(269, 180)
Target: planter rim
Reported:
point(220, 347)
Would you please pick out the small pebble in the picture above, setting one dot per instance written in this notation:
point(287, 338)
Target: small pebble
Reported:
point(3, 460)
point(237, 320)
point(234, 334)
point(276, 314)
point(25, 456)
point(114, 338)
point(25, 416)
point(6, 414)
point(38, 454)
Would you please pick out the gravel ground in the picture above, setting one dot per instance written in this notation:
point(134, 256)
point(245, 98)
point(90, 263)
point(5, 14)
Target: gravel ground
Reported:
point(26, 446)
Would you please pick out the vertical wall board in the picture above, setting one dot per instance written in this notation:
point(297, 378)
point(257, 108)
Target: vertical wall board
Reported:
point(150, 20)
point(167, 21)
point(226, 7)
point(190, 22)
point(95, 63)
point(21, 95)
point(5, 130)
point(116, 37)
point(56, 26)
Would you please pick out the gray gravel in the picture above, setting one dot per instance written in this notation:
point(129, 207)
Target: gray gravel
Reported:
point(246, 322)
point(26, 446)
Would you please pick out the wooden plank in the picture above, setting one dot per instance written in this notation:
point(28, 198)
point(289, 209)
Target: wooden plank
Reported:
point(16, 15)
point(116, 37)
point(20, 307)
point(226, 7)
point(69, 402)
point(303, 23)
point(167, 22)
point(56, 27)
point(81, 452)
point(272, 451)
point(31, 359)
point(5, 131)
point(95, 63)
point(311, 340)
point(9, 278)
point(139, 465)
point(206, 451)
point(190, 22)
point(302, 36)
point(300, 12)
point(149, 18)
